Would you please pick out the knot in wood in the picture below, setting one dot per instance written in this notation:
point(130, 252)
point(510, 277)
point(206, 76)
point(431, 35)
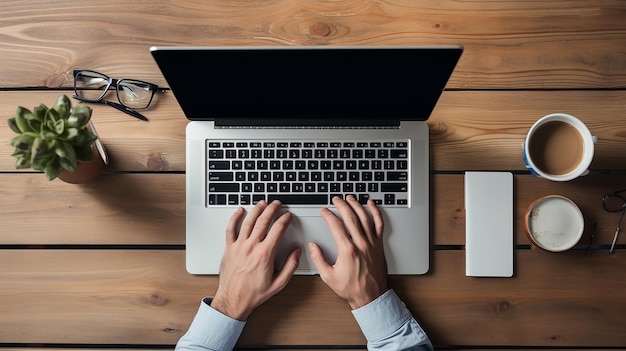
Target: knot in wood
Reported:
point(503, 307)
point(156, 298)
point(320, 29)
point(155, 163)
point(57, 80)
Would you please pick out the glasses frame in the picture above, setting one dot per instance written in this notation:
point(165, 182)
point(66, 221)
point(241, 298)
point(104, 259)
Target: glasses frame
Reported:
point(113, 82)
point(616, 194)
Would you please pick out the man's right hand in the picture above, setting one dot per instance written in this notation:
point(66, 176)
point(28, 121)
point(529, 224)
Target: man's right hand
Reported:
point(359, 274)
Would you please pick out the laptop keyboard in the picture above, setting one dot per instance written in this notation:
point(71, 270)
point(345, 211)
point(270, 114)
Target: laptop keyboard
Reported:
point(307, 173)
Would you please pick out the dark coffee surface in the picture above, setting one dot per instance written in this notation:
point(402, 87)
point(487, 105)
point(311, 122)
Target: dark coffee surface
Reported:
point(556, 148)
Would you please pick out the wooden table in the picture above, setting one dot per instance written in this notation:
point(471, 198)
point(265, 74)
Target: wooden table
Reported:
point(102, 265)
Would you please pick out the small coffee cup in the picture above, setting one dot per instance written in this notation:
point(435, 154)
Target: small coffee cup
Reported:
point(558, 147)
point(554, 223)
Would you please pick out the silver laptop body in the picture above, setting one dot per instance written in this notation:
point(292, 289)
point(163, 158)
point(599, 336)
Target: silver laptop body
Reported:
point(259, 108)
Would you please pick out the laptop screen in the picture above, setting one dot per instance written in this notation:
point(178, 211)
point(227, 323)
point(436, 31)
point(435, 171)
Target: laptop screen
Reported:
point(306, 85)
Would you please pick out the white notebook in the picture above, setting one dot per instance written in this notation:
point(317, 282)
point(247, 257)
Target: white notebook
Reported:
point(489, 224)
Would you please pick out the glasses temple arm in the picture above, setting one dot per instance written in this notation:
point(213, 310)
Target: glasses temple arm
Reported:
point(619, 227)
point(124, 109)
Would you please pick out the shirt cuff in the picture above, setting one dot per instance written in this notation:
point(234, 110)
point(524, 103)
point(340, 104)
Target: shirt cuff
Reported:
point(212, 329)
point(382, 317)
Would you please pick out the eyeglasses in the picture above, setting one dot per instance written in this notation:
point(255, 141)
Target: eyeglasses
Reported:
point(92, 86)
point(615, 202)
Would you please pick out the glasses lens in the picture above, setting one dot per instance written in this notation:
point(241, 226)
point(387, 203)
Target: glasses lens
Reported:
point(134, 94)
point(90, 86)
point(614, 203)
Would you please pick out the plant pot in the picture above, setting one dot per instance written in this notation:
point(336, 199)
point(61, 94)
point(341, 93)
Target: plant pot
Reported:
point(84, 171)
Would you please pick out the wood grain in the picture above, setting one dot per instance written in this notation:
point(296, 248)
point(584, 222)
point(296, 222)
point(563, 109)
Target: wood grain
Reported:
point(469, 130)
point(146, 298)
point(149, 209)
point(510, 45)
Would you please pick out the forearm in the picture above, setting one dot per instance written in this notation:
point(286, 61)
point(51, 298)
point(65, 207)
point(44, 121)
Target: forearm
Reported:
point(388, 325)
point(211, 330)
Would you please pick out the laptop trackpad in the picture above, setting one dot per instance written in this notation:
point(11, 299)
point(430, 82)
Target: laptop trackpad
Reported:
point(301, 231)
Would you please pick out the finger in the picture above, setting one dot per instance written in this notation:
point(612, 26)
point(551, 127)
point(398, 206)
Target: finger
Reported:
point(319, 261)
point(336, 228)
point(233, 223)
point(377, 216)
point(286, 272)
point(249, 222)
point(364, 218)
point(349, 217)
point(264, 221)
point(278, 229)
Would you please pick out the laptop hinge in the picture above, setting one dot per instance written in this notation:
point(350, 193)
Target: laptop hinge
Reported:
point(306, 123)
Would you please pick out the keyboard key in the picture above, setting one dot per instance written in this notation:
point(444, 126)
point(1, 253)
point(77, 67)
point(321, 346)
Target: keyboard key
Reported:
point(244, 199)
point(219, 164)
point(363, 198)
point(233, 199)
point(395, 176)
point(224, 187)
point(217, 199)
point(215, 153)
point(221, 176)
point(394, 187)
point(299, 199)
point(399, 154)
point(390, 199)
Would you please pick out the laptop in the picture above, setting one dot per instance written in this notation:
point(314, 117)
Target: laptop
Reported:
point(302, 125)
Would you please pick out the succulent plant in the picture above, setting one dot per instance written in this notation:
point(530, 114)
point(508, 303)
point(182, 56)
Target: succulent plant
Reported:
point(52, 139)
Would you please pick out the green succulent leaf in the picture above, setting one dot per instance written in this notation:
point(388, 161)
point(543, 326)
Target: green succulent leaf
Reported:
point(34, 124)
point(22, 141)
point(36, 150)
point(42, 161)
point(65, 150)
point(84, 154)
point(22, 162)
point(13, 125)
point(80, 116)
point(53, 170)
point(67, 164)
point(59, 126)
point(70, 133)
point(52, 116)
point(63, 106)
point(39, 113)
point(21, 119)
point(48, 135)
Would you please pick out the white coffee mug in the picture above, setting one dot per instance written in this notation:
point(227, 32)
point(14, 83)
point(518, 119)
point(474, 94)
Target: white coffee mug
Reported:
point(558, 147)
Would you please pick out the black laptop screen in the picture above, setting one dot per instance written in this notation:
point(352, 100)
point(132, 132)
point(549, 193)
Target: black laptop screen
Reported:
point(305, 85)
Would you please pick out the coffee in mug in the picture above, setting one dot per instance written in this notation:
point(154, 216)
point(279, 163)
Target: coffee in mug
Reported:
point(558, 147)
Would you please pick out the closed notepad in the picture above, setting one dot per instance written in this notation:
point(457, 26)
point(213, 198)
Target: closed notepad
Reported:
point(488, 224)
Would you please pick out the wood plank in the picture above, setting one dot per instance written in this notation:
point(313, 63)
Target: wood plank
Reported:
point(485, 130)
point(117, 209)
point(145, 297)
point(490, 124)
point(509, 44)
point(149, 209)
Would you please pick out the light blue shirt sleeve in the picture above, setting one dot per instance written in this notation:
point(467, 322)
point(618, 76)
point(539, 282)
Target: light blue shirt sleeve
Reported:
point(211, 330)
point(388, 325)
